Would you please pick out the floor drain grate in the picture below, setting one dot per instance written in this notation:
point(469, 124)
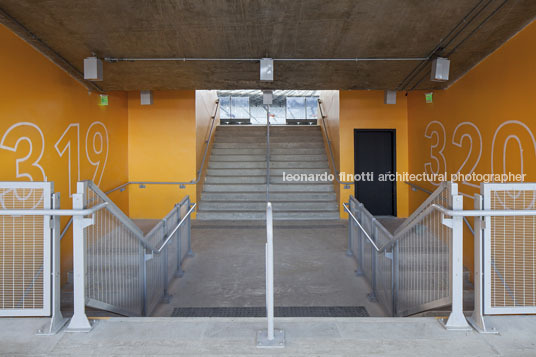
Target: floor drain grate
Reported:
point(279, 311)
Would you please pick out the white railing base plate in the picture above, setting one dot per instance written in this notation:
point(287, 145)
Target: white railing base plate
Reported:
point(82, 327)
point(482, 326)
point(53, 327)
point(458, 325)
point(264, 342)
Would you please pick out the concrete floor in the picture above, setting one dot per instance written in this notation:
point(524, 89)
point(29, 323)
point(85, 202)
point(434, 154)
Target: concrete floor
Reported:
point(304, 337)
point(311, 268)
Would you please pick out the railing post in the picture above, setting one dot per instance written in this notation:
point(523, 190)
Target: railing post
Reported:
point(166, 298)
point(143, 280)
point(79, 322)
point(394, 278)
point(349, 251)
point(270, 338)
point(372, 296)
point(359, 270)
point(477, 318)
point(189, 228)
point(456, 319)
point(57, 321)
point(180, 273)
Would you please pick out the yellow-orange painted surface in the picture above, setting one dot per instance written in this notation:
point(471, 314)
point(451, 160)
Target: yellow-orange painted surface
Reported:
point(161, 147)
point(366, 110)
point(49, 118)
point(484, 123)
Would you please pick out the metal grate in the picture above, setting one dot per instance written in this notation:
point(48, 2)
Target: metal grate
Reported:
point(279, 311)
point(511, 257)
point(25, 250)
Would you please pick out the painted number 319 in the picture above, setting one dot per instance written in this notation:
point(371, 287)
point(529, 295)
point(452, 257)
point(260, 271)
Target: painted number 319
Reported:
point(28, 164)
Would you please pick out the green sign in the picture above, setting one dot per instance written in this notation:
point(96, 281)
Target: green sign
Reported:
point(103, 99)
point(429, 97)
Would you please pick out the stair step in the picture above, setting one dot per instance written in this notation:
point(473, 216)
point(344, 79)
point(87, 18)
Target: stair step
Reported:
point(274, 196)
point(235, 179)
point(299, 165)
point(236, 172)
point(262, 145)
point(221, 158)
point(260, 205)
point(298, 158)
point(273, 134)
point(276, 139)
point(237, 165)
point(262, 172)
point(261, 215)
point(301, 187)
point(273, 151)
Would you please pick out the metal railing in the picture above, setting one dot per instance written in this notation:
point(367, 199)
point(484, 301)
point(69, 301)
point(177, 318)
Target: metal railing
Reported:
point(116, 267)
point(336, 172)
point(267, 153)
point(419, 267)
point(270, 337)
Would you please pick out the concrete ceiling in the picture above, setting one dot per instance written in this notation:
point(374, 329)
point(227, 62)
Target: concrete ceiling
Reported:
point(71, 30)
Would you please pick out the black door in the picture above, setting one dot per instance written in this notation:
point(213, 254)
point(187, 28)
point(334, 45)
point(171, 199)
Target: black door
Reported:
point(375, 152)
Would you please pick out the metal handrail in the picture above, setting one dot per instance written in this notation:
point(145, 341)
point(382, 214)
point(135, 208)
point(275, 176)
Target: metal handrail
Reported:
point(416, 187)
point(267, 153)
point(53, 212)
point(170, 235)
point(336, 172)
point(129, 224)
point(445, 211)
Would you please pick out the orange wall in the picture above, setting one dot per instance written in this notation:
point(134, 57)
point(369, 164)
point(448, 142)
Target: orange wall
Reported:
point(39, 103)
point(161, 147)
point(366, 110)
point(494, 101)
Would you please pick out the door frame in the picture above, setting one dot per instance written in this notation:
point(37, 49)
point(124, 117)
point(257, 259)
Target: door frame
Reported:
point(393, 132)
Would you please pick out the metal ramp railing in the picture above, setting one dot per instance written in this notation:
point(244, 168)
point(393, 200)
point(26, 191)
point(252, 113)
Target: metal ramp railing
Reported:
point(419, 267)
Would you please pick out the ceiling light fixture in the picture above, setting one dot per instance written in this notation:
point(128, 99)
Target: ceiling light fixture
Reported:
point(146, 97)
point(389, 97)
point(267, 69)
point(440, 69)
point(92, 69)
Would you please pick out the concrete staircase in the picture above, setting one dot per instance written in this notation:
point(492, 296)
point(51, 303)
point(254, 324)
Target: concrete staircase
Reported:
point(235, 183)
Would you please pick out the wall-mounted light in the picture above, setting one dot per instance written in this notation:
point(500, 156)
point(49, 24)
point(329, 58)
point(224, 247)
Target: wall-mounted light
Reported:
point(267, 97)
point(146, 97)
point(103, 99)
point(440, 69)
point(93, 69)
point(429, 97)
point(389, 97)
point(267, 69)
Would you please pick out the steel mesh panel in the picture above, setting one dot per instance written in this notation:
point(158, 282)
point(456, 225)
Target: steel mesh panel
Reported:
point(384, 270)
point(424, 265)
point(183, 241)
point(113, 259)
point(23, 241)
point(512, 249)
point(368, 248)
point(155, 268)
